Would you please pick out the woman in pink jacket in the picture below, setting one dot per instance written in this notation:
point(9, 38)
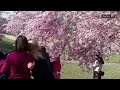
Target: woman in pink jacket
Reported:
point(14, 59)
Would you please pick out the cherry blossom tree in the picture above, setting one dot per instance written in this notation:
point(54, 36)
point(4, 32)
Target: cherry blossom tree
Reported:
point(2, 22)
point(81, 33)
point(18, 21)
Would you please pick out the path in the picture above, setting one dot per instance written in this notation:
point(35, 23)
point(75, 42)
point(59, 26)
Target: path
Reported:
point(10, 37)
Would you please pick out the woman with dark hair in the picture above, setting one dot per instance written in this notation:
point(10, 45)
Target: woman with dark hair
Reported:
point(20, 62)
point(97, 67)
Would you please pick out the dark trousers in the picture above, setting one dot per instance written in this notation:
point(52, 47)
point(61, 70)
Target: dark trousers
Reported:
point(96, 75)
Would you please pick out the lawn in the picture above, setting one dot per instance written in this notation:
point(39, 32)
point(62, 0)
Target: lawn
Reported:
point(7, 45)
point(111, 72)
point(73, 71)
point(115, 58)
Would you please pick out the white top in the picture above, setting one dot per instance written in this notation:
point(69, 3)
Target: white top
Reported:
point(97, 66)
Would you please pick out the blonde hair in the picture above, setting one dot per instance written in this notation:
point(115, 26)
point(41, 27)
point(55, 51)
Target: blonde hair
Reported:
point(34, 48)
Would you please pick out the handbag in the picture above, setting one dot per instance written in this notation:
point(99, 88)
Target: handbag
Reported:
point(101, 73)
point(6, 75)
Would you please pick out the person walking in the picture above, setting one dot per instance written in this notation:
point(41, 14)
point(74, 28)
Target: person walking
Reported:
point(97, 67)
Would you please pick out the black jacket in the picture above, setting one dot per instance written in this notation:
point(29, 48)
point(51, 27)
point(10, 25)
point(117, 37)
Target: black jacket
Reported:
point(41, 70)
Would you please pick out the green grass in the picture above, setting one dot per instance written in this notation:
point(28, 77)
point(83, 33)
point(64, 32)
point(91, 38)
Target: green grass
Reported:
point(73, 71)
point(7, 44)
point(115, 58)
point(111, 72)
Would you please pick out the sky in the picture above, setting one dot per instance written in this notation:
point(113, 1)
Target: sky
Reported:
point(7, 14)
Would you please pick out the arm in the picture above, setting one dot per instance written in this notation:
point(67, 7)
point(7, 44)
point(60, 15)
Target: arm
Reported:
point(31, 64)
point(95, 64)
point(6, 66)
point(101, 59)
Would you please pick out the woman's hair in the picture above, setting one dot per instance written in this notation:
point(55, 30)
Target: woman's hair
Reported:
point(35, 49)
point(21, 43)
point(43, 49)
point(99, 57)
point(30, 47)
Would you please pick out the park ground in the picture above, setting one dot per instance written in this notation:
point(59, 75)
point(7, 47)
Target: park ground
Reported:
point(73, 70)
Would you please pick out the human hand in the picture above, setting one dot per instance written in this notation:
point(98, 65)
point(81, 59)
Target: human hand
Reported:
point(31, 65)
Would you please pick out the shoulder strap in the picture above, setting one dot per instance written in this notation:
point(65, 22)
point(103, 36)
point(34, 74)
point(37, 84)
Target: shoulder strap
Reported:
point(22, 62)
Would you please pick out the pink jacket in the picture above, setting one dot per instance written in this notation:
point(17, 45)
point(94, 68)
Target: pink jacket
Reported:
point(57, 65)
point(12, 63)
